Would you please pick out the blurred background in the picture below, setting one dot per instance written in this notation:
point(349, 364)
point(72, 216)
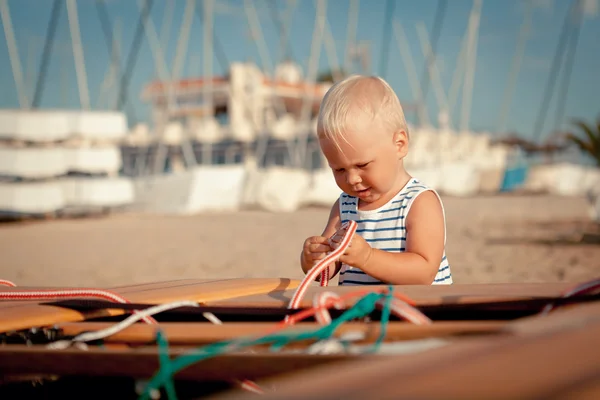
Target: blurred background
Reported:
point(145, 140)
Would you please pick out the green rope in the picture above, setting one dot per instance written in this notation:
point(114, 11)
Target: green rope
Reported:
point(385, 319)
point(168, 368)
point(165, 364)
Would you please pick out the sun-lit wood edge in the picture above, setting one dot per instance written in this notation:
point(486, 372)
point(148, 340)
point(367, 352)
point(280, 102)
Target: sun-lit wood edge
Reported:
point(203, 333)
point(143, 363)
point(421, 294)
point(564, 317)
point(32, 314)
point(540, 364)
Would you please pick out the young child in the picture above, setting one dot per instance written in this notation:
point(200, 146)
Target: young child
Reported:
point(401, 233)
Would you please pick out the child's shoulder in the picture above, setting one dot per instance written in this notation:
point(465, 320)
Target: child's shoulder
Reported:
point(425, 203)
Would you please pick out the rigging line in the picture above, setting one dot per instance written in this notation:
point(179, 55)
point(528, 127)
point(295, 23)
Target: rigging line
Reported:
point(387, 26)
point(50, 34)
point(217, 46)
point(440, 16)
point(133, 53)
point(570, 61)
point(556, 62)
point(285, 48)
point(106, 24)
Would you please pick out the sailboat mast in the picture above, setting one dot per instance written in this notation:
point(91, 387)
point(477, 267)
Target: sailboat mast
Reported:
point(13, 54)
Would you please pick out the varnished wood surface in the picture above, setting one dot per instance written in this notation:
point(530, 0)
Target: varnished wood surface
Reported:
point(24, 314)
point(143, 363)
point(421, 294)
point(554, 357)
point(204, 333)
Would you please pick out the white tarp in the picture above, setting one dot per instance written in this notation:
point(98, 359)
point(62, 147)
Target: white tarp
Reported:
point(98, 125)
point(31, 197)
point(563, 179)
point(94, 160)
point(35, 126)
point(430, 176)
point(323, 191)
point(276, 189)
point(199, 189)
point(31, 163)
point(55, 125)
point(459, 179)
point(47, 162)
point(97, 192)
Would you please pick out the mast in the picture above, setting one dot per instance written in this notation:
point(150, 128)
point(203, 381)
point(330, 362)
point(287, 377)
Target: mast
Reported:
point(207, 95)
point(433, 71)
point(351, 34)
point(470, 69)
point(82, 84)
point(13, 54)
point(409, 64)
point(313, 64)
point(515, 68)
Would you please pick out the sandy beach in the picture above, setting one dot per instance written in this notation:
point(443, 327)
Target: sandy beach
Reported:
point(502, 238)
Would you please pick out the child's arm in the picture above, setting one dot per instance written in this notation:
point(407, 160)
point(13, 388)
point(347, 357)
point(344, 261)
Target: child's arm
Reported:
point(419, 264)
point(333, 224)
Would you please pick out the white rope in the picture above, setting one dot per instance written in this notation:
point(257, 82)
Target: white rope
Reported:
point(104, 333)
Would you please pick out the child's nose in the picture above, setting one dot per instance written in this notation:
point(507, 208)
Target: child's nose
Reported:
point(353, 178)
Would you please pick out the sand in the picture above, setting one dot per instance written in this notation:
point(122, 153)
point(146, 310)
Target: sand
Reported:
point(506, 238)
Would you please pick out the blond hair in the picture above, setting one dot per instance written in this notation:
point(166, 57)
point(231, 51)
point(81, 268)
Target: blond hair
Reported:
point(371, 95)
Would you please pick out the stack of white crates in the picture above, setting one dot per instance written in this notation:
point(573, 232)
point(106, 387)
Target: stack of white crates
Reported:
point(60, 161)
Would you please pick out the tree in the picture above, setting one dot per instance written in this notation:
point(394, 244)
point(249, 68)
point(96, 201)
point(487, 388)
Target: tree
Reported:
point(330, 75)
point(589, 142)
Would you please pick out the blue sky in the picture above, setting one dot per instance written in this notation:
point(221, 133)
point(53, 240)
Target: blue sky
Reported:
point(500, 25)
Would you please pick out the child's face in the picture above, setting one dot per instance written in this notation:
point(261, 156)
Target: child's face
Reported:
point(368, 163)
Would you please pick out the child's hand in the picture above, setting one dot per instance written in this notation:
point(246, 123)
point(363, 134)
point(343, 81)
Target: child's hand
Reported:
point(315, 249)
point(357, 254)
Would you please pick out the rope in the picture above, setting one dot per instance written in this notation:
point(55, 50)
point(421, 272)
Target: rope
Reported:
point(322, 267)
point(104, 333)
point(4, 282)
point(70, 293)
point(392, 303)
point(360, 309)
point(108, 295)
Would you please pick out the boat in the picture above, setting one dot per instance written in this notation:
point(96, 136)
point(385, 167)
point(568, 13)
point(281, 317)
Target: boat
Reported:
point(290, 339)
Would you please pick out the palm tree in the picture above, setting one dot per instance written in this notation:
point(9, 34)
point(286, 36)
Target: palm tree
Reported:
point(330, 75)
point(590, 141)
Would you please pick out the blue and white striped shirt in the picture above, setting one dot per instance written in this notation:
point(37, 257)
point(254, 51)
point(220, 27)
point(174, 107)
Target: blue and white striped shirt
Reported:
point(385, 229)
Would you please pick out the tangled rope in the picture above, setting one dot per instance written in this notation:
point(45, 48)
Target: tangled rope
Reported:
point(278, 339)
point(144, 315)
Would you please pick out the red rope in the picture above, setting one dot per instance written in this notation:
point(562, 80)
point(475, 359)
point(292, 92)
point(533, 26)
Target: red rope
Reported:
point(67, 293)
point(322, 267)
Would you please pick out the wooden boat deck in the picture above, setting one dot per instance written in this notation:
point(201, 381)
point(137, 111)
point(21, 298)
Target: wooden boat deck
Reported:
point(551, 356)
point(16, 315)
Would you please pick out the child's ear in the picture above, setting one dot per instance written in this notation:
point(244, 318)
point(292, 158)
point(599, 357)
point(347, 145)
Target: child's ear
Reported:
point(401, 143)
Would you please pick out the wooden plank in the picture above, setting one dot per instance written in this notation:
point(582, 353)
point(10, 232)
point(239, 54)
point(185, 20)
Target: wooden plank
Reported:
point(422, 294)
point(143, 363)
point(204, 333)
point(26, 314)
point(576, 316)
point(534, 364)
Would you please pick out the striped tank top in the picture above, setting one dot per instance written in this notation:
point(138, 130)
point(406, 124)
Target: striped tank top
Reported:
point(385, 229)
